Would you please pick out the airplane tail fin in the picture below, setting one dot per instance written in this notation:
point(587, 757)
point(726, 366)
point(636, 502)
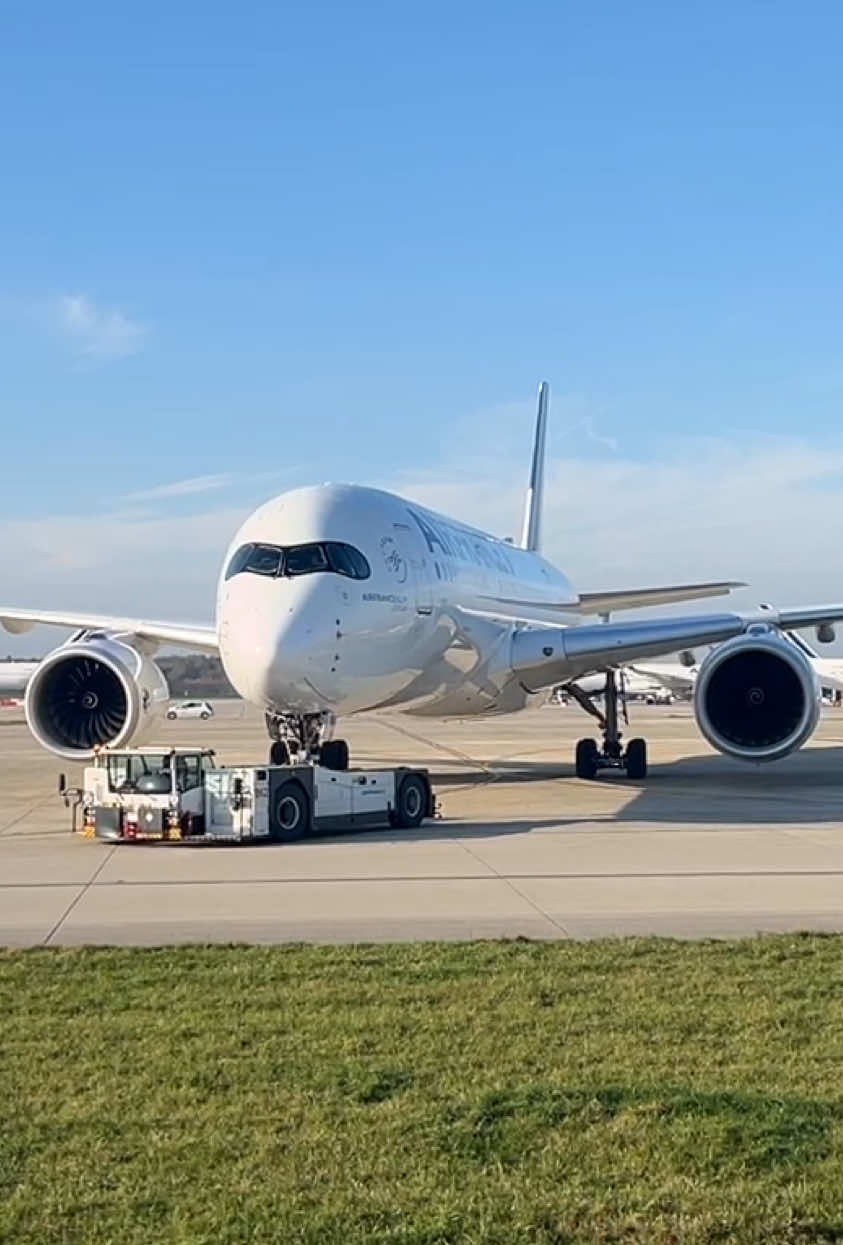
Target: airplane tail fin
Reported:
point(531, 530)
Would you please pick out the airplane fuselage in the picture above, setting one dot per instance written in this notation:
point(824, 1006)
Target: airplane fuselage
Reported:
point(426, 628)
point(14, 676)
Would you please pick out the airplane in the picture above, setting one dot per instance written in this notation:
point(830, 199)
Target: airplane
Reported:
point(677, 677)
point(635, 684)
point(340, 599)
point(829, 669)
point(14, 676)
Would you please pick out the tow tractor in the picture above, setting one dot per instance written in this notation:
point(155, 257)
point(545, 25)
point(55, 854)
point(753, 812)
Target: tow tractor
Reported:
point(181, 794)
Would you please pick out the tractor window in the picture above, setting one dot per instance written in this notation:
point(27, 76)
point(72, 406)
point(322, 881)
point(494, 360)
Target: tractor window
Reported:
point(188, 773)
point(152, 771)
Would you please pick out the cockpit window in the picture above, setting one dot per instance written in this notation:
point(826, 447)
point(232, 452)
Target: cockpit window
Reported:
point(274, 561)
point(238, 561)
point(259, 559)
point(346, 560)
point(304, 560)
point(265, 560)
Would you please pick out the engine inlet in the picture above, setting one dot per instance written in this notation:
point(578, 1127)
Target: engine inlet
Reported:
point(82, 703)
point(754, 699)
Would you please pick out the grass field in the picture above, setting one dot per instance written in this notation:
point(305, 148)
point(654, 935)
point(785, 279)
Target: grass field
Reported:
point(634, 1091)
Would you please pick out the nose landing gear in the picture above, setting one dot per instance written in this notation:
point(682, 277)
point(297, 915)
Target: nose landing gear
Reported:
point(305, 739)
point(589, 757)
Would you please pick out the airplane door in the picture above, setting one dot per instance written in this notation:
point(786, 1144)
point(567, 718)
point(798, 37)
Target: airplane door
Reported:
point(418, 567)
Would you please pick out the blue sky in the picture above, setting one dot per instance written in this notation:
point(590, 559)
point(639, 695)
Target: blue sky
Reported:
point(248, 246)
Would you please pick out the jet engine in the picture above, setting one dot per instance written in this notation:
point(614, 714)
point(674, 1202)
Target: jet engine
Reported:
point(94, 691)
point(757, 697)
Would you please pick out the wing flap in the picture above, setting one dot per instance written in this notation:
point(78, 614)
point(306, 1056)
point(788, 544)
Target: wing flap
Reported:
point(184, 635)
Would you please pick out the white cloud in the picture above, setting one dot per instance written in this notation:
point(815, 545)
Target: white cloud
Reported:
point(769, 513)
point(589, 427)
point(181, 488)
point(116, 563)
point(97, 332)
point(103, 553)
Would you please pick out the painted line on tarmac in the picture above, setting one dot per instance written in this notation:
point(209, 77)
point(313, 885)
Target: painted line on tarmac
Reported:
point(25, 836)
point(454, 753)
point(390, 879)
point(32, 808)
point(508, 880)
point(82, 892)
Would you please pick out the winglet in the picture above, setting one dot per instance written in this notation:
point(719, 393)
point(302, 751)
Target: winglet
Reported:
point(531, 531)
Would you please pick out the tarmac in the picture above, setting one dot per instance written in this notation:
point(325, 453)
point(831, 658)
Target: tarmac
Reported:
point(704, 847)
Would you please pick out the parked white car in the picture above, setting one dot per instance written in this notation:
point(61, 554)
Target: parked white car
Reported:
point(191, 709)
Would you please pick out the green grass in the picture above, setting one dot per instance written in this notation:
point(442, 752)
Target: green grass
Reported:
point(629, 1091)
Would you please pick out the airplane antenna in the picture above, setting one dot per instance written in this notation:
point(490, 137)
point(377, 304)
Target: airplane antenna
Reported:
point(531, 531)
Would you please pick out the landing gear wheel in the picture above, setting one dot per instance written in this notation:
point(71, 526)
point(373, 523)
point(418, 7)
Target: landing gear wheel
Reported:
point(279, 752)
point(410, 804)
point(635, 758)
point(290, 814)
point(587, 757)
point(334, 754)
point(302, 735)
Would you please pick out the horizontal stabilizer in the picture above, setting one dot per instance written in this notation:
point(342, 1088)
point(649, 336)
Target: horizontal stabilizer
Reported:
point(640, 598)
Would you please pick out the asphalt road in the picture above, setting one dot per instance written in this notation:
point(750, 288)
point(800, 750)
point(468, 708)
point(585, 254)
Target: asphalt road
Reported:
point(703, 847)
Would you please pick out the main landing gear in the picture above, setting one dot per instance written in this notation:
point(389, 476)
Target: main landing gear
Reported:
point(589, 757)
point(304, 739)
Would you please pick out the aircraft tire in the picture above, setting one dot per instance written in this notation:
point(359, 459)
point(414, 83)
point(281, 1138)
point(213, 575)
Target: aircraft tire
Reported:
point(635, 758)
point(334, 754)
point(410, 804)
point(585, 762)
point(279, 752)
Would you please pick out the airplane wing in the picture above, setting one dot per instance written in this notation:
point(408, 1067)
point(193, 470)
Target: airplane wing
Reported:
point(184, 635)
point(544, 656)
point(626, 598)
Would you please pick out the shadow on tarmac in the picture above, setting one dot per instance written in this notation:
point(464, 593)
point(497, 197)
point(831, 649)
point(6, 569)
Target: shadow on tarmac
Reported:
point(804, 788)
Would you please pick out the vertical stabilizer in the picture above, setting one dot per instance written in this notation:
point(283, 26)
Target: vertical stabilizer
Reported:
point(531, 531)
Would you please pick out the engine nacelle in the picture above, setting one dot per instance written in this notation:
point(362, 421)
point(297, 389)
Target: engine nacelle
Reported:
point(93, 692)
point(757, 697)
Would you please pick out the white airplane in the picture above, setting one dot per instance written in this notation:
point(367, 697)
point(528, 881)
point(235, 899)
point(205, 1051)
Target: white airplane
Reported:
point(674, 676)
point(635, 684)
point(14, 676)
point(829, 669)
point(339, 599)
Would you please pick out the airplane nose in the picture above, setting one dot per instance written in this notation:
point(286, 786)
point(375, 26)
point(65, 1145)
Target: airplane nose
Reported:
point(278, 639)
